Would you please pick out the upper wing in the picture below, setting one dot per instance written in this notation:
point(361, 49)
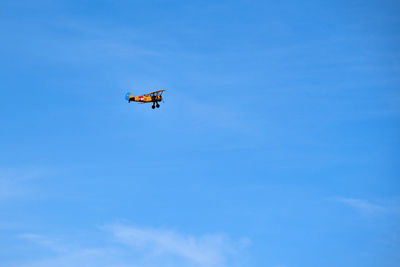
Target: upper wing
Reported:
point(153, 93)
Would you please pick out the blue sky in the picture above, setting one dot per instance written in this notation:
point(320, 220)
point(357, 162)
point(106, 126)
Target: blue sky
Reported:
point(277, 144)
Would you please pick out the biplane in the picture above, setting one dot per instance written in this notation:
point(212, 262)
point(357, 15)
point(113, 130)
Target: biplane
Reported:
point(153, 97)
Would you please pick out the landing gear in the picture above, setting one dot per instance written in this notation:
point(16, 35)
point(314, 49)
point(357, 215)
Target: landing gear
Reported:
point(153, 106)
point(158, 105)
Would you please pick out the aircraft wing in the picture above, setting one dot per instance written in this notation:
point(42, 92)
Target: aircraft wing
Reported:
point(153, 93)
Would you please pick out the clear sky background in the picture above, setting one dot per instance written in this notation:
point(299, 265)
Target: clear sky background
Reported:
point(277, 145)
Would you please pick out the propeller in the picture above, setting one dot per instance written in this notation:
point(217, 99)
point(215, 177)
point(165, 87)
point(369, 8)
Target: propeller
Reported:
point(127, 96)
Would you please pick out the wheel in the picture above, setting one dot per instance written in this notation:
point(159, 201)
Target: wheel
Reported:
point(158, 105)
point(153, 106)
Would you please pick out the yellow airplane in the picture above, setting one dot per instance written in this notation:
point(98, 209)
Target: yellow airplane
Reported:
point(153, 97)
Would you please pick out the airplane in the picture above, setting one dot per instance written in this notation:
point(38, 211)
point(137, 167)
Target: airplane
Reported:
point(153, 97)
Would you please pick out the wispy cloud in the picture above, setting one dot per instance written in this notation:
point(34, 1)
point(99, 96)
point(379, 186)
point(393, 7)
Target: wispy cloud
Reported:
point(84, 257)
point(134, 246)
point(366, 207)
point(211, 115)
point(208, 250)
point(43, 241)
point(14, 182)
